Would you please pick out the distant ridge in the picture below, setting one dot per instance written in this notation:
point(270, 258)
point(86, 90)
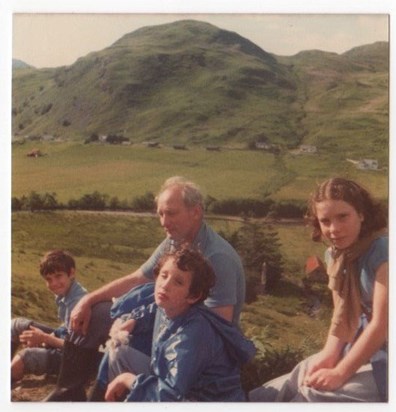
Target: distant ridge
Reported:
point(19, 64)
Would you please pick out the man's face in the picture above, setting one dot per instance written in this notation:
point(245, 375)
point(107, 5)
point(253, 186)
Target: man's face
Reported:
point(181, 223)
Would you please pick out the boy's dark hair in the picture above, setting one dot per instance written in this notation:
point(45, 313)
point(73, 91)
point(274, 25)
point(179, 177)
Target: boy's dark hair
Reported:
point(373, 212)
point(190, 260)
point(57, 260)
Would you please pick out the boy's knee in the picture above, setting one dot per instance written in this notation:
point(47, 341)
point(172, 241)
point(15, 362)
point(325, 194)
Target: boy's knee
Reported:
point(18, 325)
point(17, 368)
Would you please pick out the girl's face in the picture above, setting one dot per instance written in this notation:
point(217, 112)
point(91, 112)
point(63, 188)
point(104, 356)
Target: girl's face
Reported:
point(339, 222)
point(172, 289)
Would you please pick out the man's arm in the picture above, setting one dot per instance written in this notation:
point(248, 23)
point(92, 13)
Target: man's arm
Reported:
point(81, 313)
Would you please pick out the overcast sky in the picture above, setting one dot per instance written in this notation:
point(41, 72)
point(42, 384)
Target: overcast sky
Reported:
point(50, 40)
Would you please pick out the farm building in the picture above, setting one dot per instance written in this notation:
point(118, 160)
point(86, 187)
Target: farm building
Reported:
point(34, 153)
point(315, 270)
point(307, 148)
point(263, 145)
point(213, 148)
point(367, 164)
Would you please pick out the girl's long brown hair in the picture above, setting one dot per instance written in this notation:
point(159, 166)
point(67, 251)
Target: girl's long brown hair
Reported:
point(374, 213)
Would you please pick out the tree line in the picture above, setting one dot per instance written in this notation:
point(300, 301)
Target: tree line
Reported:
point(256, 208)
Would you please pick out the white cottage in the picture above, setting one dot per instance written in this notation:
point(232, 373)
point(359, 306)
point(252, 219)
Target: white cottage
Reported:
point(368, 164)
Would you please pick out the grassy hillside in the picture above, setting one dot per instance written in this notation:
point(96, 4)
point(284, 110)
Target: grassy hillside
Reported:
point(72, 170)
point(345, 100)
point(107, 246)
point(190, 82)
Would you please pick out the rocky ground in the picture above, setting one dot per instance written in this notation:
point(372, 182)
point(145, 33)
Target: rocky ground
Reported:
point(33, 388)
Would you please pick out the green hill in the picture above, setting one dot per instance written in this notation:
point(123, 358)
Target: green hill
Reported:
point(190, 82)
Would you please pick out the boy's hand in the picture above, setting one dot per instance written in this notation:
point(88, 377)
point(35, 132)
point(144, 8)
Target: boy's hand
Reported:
point(33, 337)
point(117, 387)
point(128, 325)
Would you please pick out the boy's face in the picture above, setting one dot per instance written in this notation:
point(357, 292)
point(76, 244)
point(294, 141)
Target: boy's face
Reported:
point(172, 289)
point(59, 282)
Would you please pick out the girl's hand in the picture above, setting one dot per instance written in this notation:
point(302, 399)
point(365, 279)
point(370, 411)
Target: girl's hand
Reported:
point(325, 379)
point(320, 361)
point(118, 386)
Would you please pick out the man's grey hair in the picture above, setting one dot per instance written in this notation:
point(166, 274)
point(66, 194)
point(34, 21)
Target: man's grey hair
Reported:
point(191, 192)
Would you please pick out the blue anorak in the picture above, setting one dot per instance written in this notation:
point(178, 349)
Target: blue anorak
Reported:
point(195, 357)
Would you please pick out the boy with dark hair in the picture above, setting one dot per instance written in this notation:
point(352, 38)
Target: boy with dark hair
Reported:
point(43, 344)
point(196, 354)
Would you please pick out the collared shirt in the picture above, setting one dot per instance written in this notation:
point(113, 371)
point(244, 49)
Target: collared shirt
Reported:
point(66, 304)
point(230, 285)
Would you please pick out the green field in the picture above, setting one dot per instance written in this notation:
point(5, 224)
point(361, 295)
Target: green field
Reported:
point(71, 170)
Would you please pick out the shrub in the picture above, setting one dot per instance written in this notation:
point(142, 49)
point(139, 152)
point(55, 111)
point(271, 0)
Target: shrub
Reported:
point(239, 206)
point(16, 204)
point(289, 209)
point(257, 243)
point(268, 364)
point(145, 203)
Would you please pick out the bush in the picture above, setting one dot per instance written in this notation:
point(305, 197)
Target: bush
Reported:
point(145, 203)
point(35, 201)
point(289, 209)
point(235, 207)
point(16, 204)
point(268, 364)
point(90, 201)
point(257, 243)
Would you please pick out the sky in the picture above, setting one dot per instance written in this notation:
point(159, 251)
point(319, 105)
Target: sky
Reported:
point(54, 39)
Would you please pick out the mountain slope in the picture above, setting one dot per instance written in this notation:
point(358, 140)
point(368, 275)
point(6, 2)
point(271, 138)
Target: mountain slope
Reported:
point(346, 104)
point(191, 82)
point(19, 64)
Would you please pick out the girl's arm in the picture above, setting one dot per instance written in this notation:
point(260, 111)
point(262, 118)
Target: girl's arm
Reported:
point(329, 356)
point(370, 341)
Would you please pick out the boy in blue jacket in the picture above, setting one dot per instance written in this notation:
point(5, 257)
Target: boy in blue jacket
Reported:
point(196, 355)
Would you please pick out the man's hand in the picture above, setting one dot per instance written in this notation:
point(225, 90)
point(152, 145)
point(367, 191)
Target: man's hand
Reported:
point(80, 316)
